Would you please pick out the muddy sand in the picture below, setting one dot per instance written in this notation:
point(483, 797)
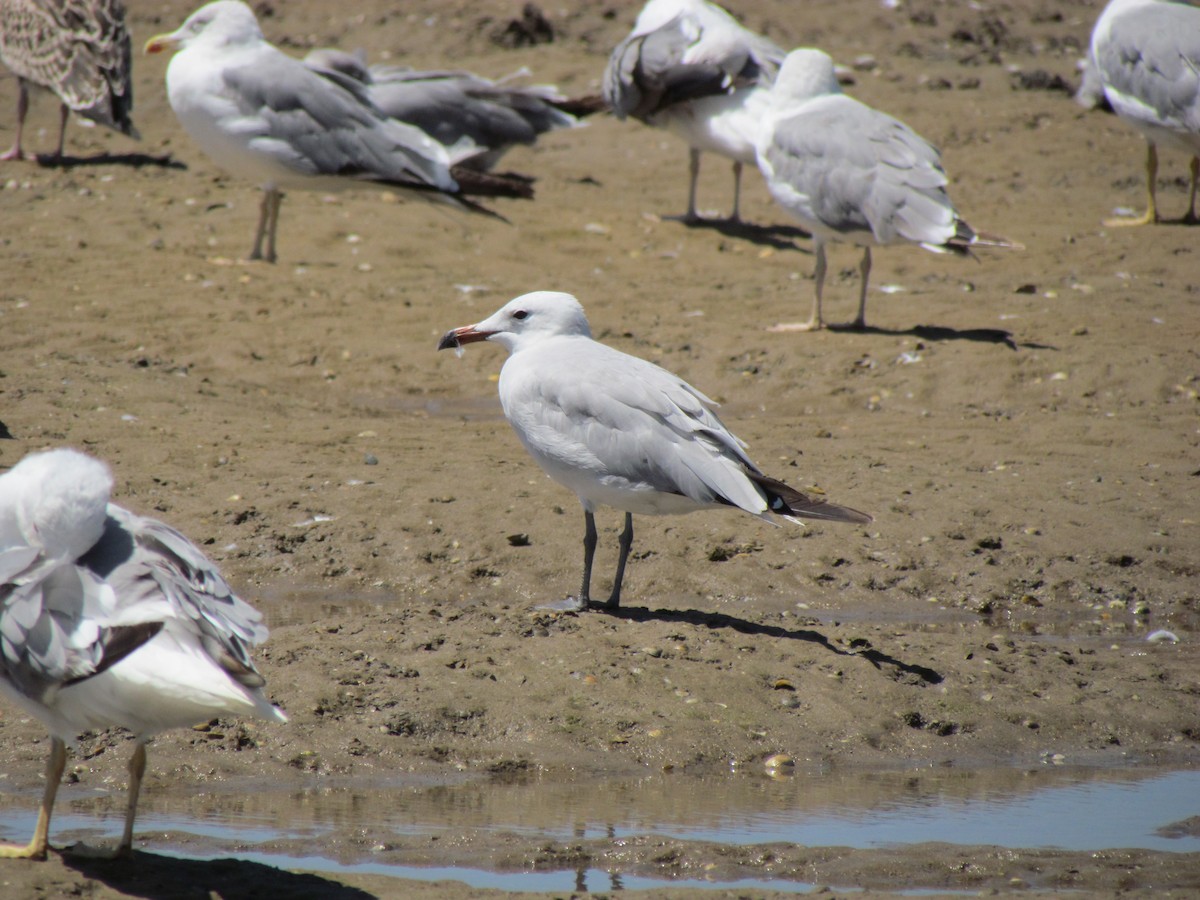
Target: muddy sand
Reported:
point(1022, 427)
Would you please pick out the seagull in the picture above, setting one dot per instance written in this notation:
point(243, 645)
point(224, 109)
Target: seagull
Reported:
point(620, 431)
point(80, 50)
point(1146, 56)
point(689, 66)
point(848, 172)
point(111, 619)
point(263, 115)
point(485, 118)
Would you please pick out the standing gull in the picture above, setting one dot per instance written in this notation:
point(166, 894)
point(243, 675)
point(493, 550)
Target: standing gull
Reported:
point(263, 115)
point(80, 50)
point(848, 172)
point(1146, 56)
point(620, 431)
point(458, 109)
point(111, 619)
point(689, 66)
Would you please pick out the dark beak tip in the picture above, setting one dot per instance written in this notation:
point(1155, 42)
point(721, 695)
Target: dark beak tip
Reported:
point(449, 341)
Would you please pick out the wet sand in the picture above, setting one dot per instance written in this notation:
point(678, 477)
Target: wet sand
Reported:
point(1023, 428)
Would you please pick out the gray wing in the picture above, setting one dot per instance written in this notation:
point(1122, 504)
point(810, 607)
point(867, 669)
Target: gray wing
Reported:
point(79, 49)
point(78, 618)
point(147, 563)
point(852, 169)
point(1150, 65)
point(646, 425)
point(322, 123)
point(647, 73)
point(457, 106)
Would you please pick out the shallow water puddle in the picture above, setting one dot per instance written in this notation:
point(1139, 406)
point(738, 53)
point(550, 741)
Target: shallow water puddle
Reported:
point(1068, 808)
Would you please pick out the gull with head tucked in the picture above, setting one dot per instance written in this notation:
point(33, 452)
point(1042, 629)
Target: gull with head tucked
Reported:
point(262, 115)
point(620, 431)
point(111, 619)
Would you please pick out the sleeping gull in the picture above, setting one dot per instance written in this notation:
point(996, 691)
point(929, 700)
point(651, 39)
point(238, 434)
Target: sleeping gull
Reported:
point(79, 49)
point(263, 115)
point(111, 619)
point(689, 66)
point(848, 172)
point(460, 109)
point(620, 431)
point(1146, 56)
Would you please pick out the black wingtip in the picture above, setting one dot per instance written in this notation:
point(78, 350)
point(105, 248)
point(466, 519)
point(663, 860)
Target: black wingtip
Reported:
point(783, 500)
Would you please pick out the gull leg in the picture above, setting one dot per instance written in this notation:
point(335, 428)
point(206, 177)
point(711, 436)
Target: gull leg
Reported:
point(1151, 214)
point(137, 770)
point(268, 218)
point(589, 553)
point(1190, 218)
point(735, 216)
point(864, 268)
point(63, 112)
point(815, 321)
point(275, 204)
point(36, 848)
point(15, 152)
point(691, 216)
point(614, 599)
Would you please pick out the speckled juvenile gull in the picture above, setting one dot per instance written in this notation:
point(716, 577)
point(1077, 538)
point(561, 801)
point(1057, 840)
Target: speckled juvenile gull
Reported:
point(1146, 56)
point(80, 50)
point(484, 118)
point(848, 172)
point(111, 619)
point(687, 65)
point(620, 431)
point(262, 115)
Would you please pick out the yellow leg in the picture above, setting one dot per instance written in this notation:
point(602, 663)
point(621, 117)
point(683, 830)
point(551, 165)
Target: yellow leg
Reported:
point(36, 848)
point(1151, 214)
point(815, 322)
point(137, 769)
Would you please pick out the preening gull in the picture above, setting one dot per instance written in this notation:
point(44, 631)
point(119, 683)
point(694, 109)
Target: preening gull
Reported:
point(620, 431)
point(848, 172)
point(262, 115)
point(111, 619)
point(689, 66)
point(484, 118)
point(1146, 56)
point(80, 50)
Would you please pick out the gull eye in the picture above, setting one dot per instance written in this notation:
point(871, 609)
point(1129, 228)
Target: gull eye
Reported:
point(520, 314)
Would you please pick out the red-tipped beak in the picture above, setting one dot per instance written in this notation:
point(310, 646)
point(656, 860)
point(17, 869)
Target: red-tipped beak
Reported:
point(456, 337)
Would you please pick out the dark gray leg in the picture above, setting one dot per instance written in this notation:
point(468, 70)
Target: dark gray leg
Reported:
point(589, 553)
point(614, 599)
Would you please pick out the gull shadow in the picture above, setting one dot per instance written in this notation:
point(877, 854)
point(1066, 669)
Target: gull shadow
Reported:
point(858, 647)
point(157, 877)
point(779, 237)
point(130, 160)
point(944, 333)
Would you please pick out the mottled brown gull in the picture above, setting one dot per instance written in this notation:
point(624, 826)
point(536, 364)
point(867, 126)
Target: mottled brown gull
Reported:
point(80, 50)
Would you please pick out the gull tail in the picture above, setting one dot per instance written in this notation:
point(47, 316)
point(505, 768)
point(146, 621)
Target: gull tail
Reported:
point(790, 503)
point(581, 107)
point(474, 183)
point(967, 238)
